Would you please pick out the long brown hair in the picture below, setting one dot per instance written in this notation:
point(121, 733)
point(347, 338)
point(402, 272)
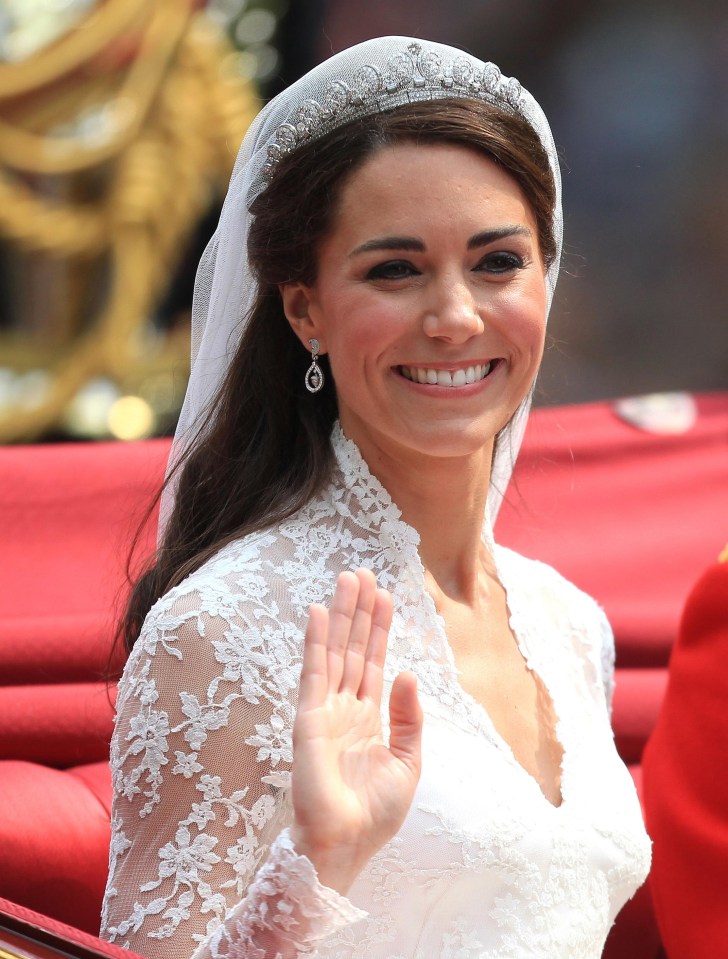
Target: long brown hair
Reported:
point(264, 449)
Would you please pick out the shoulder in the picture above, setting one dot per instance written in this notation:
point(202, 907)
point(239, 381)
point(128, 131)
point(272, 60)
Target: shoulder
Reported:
point(546, 586)
point(575, 618)
point(242, 583)
point(230, 620)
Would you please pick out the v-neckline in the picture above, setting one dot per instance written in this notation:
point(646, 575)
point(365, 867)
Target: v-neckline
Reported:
point(355, 469)
point(479, 711)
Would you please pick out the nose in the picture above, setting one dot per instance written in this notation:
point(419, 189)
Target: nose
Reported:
point(451, 312)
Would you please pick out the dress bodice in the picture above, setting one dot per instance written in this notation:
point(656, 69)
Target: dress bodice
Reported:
point(483, 866)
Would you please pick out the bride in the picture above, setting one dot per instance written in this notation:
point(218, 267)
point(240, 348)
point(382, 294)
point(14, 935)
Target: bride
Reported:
point(430, 772)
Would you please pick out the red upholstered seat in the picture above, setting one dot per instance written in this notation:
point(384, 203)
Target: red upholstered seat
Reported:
point(55, 837)
point(628, 516)
point(67, 514)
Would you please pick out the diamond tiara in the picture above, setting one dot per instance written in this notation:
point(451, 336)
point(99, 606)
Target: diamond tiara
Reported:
point(409, 76)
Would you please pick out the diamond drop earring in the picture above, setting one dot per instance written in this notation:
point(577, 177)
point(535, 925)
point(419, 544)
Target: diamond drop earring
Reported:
point(314, 377)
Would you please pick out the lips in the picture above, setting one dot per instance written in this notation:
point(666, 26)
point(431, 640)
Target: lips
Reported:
point(457, 376)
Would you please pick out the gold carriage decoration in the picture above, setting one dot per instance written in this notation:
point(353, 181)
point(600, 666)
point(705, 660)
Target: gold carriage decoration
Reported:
point(110, 208)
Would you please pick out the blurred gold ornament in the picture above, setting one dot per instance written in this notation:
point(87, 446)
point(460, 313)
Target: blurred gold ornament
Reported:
point(114, 139)
point(131, 418)
point(87, 415)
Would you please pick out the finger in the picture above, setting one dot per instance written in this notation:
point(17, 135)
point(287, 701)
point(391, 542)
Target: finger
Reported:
point(373, 676)
point(359, 635)
point(341, 616)
point(314, 673)
point(405, 722)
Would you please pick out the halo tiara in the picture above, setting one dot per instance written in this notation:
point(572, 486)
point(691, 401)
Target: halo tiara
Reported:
point(409, 76)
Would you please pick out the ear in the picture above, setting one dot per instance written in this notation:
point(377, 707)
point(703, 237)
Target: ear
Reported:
point(299, 306)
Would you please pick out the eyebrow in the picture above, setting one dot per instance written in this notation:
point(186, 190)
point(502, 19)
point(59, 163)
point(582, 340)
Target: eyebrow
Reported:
point(410, 243)
point(490, 236)
point(415, 245)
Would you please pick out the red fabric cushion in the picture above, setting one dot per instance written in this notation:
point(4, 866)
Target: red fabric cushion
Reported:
point(686, 781)
point(55, 648)
point(637, 698)
point(96, 777)
point(54, 841)
point(59, 725)
point(69, 513)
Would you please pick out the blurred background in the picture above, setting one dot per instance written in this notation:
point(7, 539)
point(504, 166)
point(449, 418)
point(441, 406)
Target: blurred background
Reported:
point(119, 124)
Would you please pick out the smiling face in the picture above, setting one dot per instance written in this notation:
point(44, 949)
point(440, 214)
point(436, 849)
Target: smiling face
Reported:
point(430, 301)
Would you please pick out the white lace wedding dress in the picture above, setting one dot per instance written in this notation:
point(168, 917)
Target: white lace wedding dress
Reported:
point(484, 866)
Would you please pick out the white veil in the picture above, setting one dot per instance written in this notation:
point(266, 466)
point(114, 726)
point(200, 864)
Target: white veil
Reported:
point(376, 75)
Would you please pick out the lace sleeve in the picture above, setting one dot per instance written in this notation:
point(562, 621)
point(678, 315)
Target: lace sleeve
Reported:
point(200, 859)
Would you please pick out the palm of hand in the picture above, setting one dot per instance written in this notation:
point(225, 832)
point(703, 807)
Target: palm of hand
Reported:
point(351, 791)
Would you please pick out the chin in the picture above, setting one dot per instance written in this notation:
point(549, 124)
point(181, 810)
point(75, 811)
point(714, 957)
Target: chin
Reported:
point(450, 441)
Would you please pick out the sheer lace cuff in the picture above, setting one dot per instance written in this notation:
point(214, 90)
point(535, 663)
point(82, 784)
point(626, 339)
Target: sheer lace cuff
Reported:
point(284, 914)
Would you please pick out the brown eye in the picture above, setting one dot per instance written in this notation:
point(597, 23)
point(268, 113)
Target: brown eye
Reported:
point(392, 270)
point(500, 262)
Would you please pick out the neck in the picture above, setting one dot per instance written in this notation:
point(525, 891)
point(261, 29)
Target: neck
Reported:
point(444, 499)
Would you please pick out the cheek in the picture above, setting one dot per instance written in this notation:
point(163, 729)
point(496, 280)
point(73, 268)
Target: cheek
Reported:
point(359, 328)
point(524, 319)
point(532, 330)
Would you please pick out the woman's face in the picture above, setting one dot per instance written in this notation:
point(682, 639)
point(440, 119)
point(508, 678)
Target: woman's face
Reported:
point(430, 301)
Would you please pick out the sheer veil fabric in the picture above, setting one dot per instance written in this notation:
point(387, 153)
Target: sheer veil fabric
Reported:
point(376, 75)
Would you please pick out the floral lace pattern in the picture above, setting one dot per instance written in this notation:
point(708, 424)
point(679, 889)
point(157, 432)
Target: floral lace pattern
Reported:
point(484, 865)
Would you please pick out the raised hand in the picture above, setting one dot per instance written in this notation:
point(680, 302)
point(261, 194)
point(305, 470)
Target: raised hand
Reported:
point(351, 791)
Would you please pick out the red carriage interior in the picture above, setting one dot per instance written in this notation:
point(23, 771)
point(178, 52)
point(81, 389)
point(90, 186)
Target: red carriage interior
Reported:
point(630, 516)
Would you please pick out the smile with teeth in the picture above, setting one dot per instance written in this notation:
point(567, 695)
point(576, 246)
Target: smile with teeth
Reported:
point(456, 377)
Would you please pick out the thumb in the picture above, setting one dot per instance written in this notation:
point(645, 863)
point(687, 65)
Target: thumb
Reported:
point(405, 722)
